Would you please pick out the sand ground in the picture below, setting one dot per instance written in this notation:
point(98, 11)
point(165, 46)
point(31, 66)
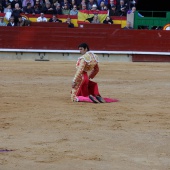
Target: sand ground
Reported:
point(45, 130)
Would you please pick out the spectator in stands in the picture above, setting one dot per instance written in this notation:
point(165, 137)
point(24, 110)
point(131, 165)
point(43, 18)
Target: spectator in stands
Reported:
point(74, 11)
point(112, 3)
point(108, 20)
point(11, 22)
point(73, 2)
point(122, 8)
point(2, 23)
point(94, 8)
point(82, 6)
point(23, 22)
point(28, 9)
point(37, 7)
point(113, 11)
point(102, 6)
point(54, 19)
point(70, 24)
point(65, 2)
point(8, 8)
point(1, 8)
point(90, 4)
point(48, 8)
point(25, 2)
point(4, 3)
point(58, 10)
point(95, 19)
point(16, 12)
point(133, 11)
point(42, 18)
point(14, 2)
point(128, 26)
point(104, 1)
point(65, 10)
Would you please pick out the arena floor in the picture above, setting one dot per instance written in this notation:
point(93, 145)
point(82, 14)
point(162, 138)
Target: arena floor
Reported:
point(42, 129)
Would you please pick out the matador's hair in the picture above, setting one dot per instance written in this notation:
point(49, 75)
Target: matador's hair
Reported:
point(84, 45)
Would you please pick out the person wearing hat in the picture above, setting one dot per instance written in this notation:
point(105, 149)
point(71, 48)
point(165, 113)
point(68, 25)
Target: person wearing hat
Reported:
point(2, 23)
point(94, 7)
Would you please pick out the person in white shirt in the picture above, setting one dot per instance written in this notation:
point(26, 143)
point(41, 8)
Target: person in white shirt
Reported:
point(42, 18)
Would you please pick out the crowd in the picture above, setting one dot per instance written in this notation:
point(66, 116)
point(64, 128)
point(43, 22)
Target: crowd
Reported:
point(14, 8)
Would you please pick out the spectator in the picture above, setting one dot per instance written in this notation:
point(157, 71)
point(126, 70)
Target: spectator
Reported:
point(16, 12)
point(23, 22)
point(102, 6)
point(74, 11)
point(11, 22)
point(28, 9)
point(121, 9)
point(4, 3)
point(14, 2)
point(90, 4)
point(37, 7)
point(128, 26)
point(1, 8)
point(94, 7)
point(58, 10)
point(73, 3)
point(70, 24)
point(2, 23)
point(95, 20)
point(25, 2)
point(112, 3)
point(42, 18)
point(54, 19)
point(133, 11)
point(65, 10)
point(82, 6)
point(108, 20)
point(113, 11)
point(8, 12)
point(65, 2)
point(47, 9)
point(104, 1)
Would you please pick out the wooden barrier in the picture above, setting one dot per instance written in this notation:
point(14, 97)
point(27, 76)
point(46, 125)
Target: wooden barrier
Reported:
point(69, 38)
point(48, 24)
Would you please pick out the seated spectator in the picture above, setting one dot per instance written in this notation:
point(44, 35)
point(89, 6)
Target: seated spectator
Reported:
point(42, 18)
point(128, 26)
point(112, 11)
point(16, 12)
point(58, 10)
point(95, 19)
point(47, 9)
point(74, 11)
point(54, 19)
point(8, 11)
point(65, 10)
point(37, 7)
point(133, 11)
point(28, 9)
point(122, 8)
point(82, 6)
point(94, 7)
point(23, 22)
point(14, 2)
point(90, 4)
point(11, 22)
point(73, 3)
point(2, 23)
point(70, 24)
point(105, 2)
point(1, 8)
point(65, 2)
point(108, 20)
point(25, 2)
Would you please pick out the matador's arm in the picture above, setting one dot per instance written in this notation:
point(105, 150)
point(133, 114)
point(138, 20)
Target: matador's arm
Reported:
point(79, 71)
point(94, 72)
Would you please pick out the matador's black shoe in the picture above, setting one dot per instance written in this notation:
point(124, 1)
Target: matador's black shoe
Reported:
point(100, 99)
point(93, 99)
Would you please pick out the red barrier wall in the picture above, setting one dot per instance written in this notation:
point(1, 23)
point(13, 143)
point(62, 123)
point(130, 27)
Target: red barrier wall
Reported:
point(102, 39)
